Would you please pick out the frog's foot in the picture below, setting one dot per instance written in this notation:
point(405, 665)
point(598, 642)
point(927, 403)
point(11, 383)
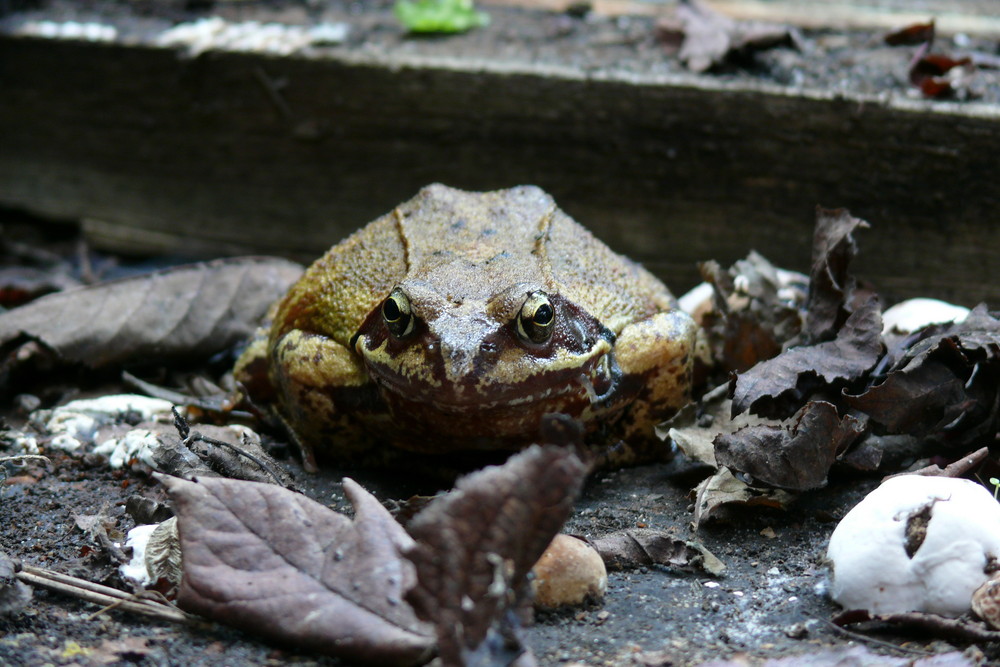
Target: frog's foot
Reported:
point(656, 354)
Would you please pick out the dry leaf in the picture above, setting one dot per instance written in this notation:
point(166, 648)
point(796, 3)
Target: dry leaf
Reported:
point(186, 311)
point(940, 76)
point(911, 35)
point(944, 385)
point(14, 594)
point(756, 310)
point(693, 430)
point(796, 457)
point(475, 546)
point(779, 387)
point(642, 547)
point(282, 566)
point(722, 490)
point(831, 285)
point(710, 38)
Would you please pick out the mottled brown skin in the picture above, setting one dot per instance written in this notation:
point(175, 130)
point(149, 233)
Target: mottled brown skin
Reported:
point(514, 311)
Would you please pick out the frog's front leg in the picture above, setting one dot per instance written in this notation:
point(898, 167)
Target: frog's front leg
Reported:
point(322, 390)
point(655, 355)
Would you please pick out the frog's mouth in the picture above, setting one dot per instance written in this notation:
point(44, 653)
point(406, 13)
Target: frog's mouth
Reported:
point(591, 382)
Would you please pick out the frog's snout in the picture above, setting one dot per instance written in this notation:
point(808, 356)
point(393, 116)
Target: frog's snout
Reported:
point(463, 344)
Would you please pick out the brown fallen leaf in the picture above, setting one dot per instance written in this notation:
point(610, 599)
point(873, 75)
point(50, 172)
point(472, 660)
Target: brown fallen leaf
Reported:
point(756, 310)
point(709, 39)
point(722, 490)
point(795, 457)
point(14, 594)
point(187, 311)
point(279, 565)
point(638, 547)
point(475, 546)
point(940, 76)
point(944, 385)
point(831, 285)
point(911, 35)
point(778, 387)
point(693, 430)
point(215, 451)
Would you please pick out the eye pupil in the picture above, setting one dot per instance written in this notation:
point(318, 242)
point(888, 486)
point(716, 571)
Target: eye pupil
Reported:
point(535, 321)
point(543, 315)
point(390, 310)
point(397, 315)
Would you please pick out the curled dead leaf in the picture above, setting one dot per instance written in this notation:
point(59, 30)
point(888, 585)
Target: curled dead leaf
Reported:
point(778, 387)
point(831, 285)
point(709, 39)
point(475, 546)
point(638, 547)
point(796, 457)
point(723, 490)
point(942, 386)
point(282, 566)
point(186, 311)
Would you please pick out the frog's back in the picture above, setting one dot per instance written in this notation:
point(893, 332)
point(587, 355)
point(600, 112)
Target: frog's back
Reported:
point(526, 237)
point(611, 287)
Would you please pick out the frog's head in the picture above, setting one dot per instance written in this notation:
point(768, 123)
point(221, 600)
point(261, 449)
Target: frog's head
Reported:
point(475, 349)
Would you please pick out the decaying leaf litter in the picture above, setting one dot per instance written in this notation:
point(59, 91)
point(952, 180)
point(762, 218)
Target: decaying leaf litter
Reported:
point(831, 401)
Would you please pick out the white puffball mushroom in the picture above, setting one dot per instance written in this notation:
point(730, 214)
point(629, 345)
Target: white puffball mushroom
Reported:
point(697, 301)
point(568, 573)
point(916, 543)
point(915, 314)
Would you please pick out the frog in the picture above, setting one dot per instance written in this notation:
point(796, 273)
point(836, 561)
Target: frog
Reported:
point(457, 322)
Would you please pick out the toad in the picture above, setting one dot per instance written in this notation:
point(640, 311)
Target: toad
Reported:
point(458, 320)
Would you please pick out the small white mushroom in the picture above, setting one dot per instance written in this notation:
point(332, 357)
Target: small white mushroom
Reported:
point(156, 554)
point(568, 573)
point(915, 543)
point(915, 314)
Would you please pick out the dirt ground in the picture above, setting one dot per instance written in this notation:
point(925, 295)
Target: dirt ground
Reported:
point(769, 604)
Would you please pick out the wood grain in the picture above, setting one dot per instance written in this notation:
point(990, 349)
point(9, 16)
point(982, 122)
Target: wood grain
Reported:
point(161, 153)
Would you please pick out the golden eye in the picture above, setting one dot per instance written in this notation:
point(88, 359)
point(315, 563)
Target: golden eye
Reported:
point(396, 314)
point(534, 323)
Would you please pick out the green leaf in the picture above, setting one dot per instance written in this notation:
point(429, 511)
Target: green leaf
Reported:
point(447, 16)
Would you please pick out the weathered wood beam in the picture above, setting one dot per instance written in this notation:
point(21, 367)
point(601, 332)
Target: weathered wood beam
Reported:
point(236, 152)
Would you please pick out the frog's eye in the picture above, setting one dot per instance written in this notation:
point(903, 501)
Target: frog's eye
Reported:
point(396, 313)
point(534, 323)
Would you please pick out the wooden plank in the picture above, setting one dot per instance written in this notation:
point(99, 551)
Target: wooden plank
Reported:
point(974, 17)
point(196, 154)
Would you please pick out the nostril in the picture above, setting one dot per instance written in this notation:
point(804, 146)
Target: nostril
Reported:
point(488, 348)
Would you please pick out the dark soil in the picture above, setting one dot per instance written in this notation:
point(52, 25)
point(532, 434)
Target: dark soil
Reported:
point(770, 603)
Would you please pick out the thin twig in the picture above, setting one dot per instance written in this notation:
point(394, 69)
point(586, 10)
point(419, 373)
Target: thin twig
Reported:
point(98, 594)
point(213, 404)
point(189, 437)
point(862, 637)
point(25, 457)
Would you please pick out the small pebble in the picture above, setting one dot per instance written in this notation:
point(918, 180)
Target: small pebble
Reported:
point(569, 573)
